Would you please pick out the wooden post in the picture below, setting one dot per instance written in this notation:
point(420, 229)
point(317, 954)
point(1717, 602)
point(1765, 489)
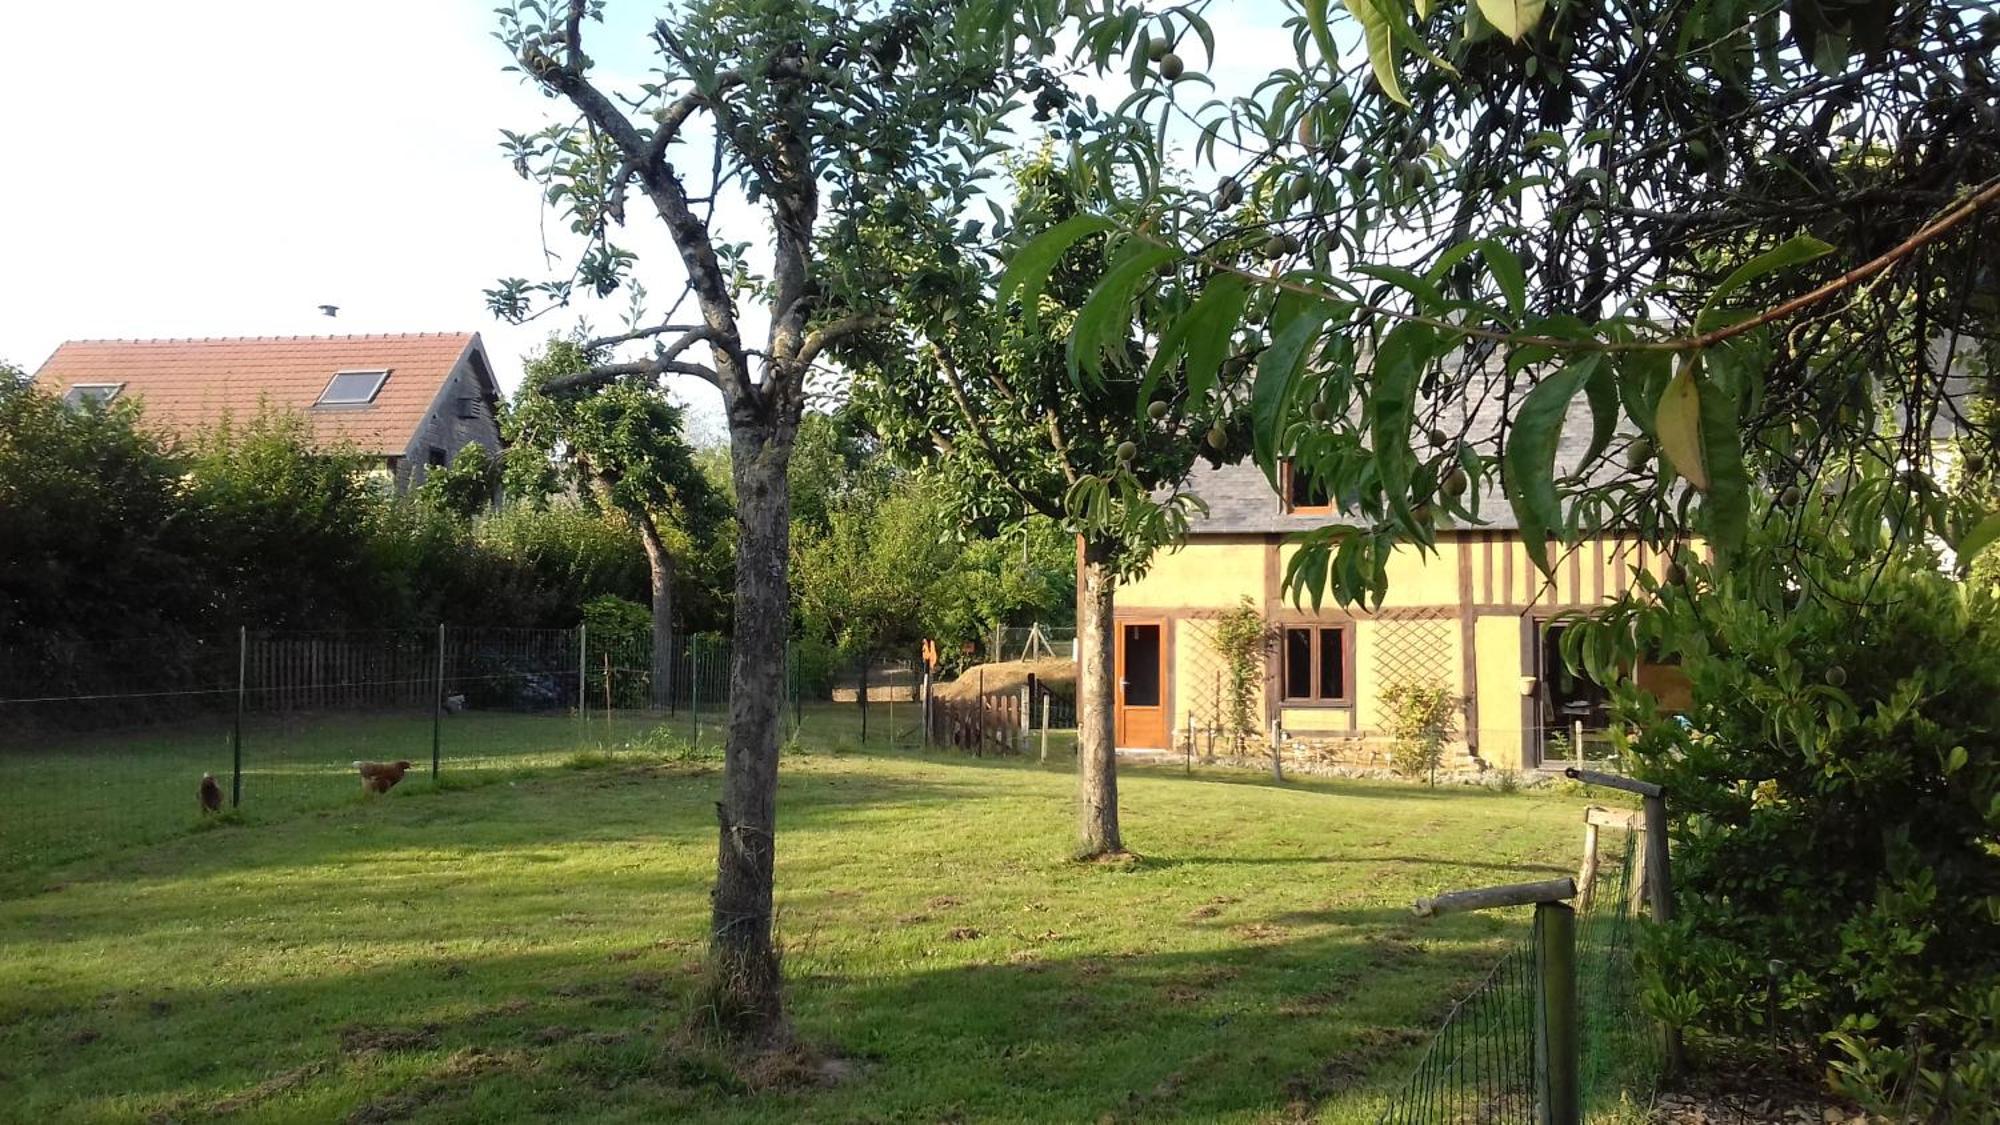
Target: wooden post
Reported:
point(1576, 740)
point(1489, 898)
point(892, 716)
point(1187, 764)
point(1660, 885)
point(607, 693)
point(1586, 878)
point(437, 708)
point(236, 731)
point(864, 701)
point(1277, 763)
point(1558, 1042)
point(1658, 878)
point(1045, 729)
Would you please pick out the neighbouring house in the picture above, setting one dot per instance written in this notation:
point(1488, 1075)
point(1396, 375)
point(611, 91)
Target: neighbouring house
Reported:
point(412, 400)
point(1476, 617)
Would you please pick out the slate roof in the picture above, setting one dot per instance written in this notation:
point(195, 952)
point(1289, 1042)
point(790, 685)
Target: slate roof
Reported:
point(1241, 502)
point(190, 384)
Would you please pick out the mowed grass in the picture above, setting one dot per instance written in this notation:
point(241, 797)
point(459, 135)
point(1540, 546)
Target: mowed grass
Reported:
point(528, 950)
point(72, 797)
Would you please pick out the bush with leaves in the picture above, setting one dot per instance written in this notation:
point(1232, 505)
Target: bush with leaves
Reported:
point(1835, 794)
point(466, 487)
point(1241, 641)
point(1421, 716)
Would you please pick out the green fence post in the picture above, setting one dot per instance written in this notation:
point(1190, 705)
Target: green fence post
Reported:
point(694, 685)
point(1558, 1043)
point(236, 731)
point(583, 682)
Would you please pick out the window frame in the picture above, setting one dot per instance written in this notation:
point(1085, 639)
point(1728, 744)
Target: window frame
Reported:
point(1316, 630)
point(76, 393)
point(381, 379)
point(1285, 503)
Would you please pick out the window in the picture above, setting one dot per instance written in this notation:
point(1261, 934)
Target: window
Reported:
point(353, 388)
point(1315, 668)
point(439, 459)
point(80, 393)
point(1302, 494)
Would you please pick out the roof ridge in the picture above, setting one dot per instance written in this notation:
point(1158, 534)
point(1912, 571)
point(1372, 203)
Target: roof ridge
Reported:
point(267, 339)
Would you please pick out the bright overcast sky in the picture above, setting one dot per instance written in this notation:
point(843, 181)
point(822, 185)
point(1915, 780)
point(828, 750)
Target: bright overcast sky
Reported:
point(222, 169)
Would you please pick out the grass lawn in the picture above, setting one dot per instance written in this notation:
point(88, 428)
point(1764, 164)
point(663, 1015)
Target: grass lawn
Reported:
point(524, 950)
point(74, 797)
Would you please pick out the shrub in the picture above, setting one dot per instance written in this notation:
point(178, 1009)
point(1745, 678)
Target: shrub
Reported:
point(1421, 717)
point(1835, 794)
point(1242, 638)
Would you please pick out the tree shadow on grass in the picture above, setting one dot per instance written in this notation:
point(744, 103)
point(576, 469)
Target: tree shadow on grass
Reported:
point(543, 811)
point(1027, 1028)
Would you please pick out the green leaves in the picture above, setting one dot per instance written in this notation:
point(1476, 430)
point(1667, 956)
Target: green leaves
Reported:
point(1399, 362)
point(1982, 536)
point(1677, 424)
point(1528, 466)
point(1027, 274)
point(1105, 319)
point(1793, 251)
point(1201, 335)
point(1696, 424)
point(1378, 20)
point(1513, 18)
point(1295, 323)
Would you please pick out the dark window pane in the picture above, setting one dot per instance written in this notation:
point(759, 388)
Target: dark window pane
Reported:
point(1142, 665)
point(1332, 665)
point(1302, 491)
point(1298, 663)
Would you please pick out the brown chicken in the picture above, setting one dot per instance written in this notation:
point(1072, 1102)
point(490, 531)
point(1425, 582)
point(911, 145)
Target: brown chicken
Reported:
point(211, 794)
point(380, 777)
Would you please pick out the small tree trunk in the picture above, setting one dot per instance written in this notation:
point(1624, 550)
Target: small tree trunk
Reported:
point(661, 564)
point(744, 979)
point(1096, 715)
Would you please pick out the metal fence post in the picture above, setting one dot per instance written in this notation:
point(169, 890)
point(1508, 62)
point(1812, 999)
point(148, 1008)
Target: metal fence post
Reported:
point(236, 731)
point(1558, 1044)
point(583, 676)
point(437, 706)
point(694, 687)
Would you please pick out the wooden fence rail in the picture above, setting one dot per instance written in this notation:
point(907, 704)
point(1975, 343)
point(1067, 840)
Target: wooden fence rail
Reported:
point(989, 723)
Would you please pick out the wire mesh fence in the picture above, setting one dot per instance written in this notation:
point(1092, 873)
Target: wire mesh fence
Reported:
point(106, 745)
point(1481, 1066)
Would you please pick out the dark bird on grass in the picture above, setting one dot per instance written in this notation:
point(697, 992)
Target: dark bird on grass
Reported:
point(211, 794)
point(380, 777)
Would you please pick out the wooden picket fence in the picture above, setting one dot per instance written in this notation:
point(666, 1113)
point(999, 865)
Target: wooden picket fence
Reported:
point(989, 723)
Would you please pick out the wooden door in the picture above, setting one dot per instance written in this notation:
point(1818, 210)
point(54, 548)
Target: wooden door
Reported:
point(1142, 685)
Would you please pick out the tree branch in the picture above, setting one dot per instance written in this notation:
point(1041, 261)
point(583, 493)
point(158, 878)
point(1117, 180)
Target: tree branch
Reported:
point(972, 423)
point(603, 342)
point(649, 368)
point(669, 198)
point(825, 336)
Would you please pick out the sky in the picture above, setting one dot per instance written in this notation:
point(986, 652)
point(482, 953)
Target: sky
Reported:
point(224, 168)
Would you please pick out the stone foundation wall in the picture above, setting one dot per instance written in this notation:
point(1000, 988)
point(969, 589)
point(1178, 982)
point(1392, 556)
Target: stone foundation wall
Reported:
point(1356, 755)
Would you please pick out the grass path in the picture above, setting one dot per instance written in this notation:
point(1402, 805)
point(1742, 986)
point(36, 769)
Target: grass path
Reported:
point(523, 951)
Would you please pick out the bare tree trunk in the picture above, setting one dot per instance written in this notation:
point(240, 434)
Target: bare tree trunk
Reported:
point(744, 983)
point(1096, 717)
point(661, 563)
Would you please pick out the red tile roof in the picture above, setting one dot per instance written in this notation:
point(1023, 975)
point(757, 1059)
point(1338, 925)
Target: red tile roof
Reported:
point(189, 384)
